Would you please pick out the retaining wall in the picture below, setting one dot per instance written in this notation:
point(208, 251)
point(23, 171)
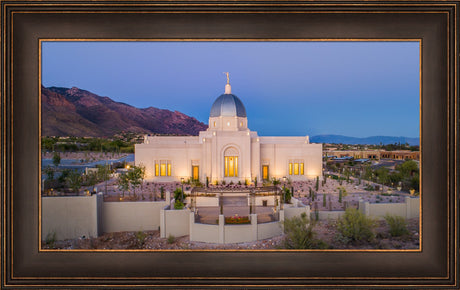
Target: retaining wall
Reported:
point(202, 232)
point(70, 217)
point(269, 230)
point(131, 216)
point(409, 209)
point(174, 222)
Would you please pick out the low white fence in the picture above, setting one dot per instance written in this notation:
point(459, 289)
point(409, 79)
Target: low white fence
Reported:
point(409, 209)
point(77, 216)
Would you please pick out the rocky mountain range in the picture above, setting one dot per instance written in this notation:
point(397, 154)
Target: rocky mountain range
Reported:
point(76, 112)
point(373, 140)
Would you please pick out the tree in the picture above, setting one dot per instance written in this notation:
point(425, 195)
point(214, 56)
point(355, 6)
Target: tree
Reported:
point(317, 183)
point(275, 181)
point(103, 172)
point(91, 179)
point(135, 177)
point(123, 183)
point(347, 173)
point(367, 172)
point(407, 168)
point(382, 175)
point(74, 180)
point(49, 171)
point(410, 175)
point(56, 159)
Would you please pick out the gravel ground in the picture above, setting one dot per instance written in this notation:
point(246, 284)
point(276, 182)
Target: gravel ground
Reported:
point(150, 240)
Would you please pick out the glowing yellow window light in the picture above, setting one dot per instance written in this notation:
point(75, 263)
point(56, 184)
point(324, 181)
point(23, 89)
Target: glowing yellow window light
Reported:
point(163, 169)
point(296, 168)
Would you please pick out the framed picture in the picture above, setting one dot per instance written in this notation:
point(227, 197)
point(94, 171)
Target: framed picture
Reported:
point(28, 25)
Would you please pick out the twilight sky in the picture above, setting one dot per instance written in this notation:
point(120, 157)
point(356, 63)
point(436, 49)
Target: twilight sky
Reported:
point(356, 89)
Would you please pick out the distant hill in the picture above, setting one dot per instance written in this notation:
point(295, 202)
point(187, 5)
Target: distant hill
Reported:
point(76, 112)
point(373, 140)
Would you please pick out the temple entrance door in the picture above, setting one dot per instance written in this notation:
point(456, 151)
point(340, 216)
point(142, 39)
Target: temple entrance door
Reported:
point(195, 172)
point(265, 173)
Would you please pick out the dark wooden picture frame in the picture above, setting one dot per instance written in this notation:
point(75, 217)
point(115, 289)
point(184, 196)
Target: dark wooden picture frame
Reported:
point(24, 23)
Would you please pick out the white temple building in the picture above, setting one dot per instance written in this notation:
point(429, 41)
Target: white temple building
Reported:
point(228, 150)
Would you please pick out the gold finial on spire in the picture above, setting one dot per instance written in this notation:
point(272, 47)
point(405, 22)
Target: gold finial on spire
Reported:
point(228, 79)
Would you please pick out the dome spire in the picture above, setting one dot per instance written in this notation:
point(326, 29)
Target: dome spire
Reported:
point(228, 88)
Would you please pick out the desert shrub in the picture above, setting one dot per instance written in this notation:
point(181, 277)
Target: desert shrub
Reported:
point(171, 239)
point(178, 204)
point(287, 195)
point(369, 187)
point(355, 226)
point(178, 195)
point(140, 236)
point(397, 224)
point(50, 239)
point(300, 234)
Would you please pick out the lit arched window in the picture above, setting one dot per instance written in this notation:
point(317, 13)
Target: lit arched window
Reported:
point(231, 162)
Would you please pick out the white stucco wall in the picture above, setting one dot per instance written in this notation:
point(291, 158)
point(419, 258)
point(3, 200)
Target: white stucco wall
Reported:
point(382, 209)
point(270, 200)
point(409, 209)
point(131, 216)
point(277, 151)
point(414, 207)
point(176, 222)
point(290, 212)
point(204, 233)
point(70, 217)
point(238, 233)
point(207, 201)
point(327, 215)
point(269, 230)
point(207, 151)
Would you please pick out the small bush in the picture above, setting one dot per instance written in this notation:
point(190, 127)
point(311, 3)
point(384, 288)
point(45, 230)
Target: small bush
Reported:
point(140, 236)
point(178, 195)
point(397, 224)
point(178, 204)
point(50, 239)
point(355, 226)
point(369, 187)
point(300, 235)
point(171, 239)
